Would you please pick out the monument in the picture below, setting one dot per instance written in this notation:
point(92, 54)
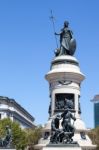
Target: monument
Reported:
point(65, 129)
point(6, 141)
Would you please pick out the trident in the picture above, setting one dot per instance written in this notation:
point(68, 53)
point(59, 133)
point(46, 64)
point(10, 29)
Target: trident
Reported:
point(52, 19)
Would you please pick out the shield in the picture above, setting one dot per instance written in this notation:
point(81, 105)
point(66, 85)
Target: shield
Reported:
point(72, 46)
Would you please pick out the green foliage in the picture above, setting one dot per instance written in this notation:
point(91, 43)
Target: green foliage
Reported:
point(94, 135)
point(18, 135)
point(33, 135)
point(20, 138)
point(3, 124)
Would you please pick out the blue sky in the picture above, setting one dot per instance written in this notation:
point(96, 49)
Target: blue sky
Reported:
point(26, 50)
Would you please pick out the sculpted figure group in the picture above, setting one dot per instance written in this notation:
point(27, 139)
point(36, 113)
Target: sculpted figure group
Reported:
point(66, 132)
point(62, 104)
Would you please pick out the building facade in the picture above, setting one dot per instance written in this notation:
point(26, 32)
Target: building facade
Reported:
point(9, 108)
point(95, 100)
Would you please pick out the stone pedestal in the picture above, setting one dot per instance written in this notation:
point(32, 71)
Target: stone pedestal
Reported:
point(65, 80)
point(62, 147)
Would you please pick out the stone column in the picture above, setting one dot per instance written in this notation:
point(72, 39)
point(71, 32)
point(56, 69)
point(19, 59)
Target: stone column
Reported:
point(77, 106)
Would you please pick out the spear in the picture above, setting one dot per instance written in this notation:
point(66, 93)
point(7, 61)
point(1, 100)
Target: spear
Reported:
point(52, 19)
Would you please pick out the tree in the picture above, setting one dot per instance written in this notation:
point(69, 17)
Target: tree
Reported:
point(18, 135)
point(33, 135)
point(94, 135)
point(20, 138)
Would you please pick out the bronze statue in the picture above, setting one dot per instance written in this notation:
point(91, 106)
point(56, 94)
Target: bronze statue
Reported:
point(65, 134)
point(68, 128)
point(69, 104)
point(67, 42)
point(6, 141)
point(55, 129)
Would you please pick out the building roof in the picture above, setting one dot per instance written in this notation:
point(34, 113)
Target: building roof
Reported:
point(96, 98)
point(14, 103)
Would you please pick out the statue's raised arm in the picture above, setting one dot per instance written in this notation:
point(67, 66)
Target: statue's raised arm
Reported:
point(67, 42)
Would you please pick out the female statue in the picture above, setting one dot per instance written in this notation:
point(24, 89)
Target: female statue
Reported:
point(67, 43)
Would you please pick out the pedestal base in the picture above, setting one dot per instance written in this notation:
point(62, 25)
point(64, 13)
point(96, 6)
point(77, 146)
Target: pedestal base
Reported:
point(62, 147)
point(7, 149)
